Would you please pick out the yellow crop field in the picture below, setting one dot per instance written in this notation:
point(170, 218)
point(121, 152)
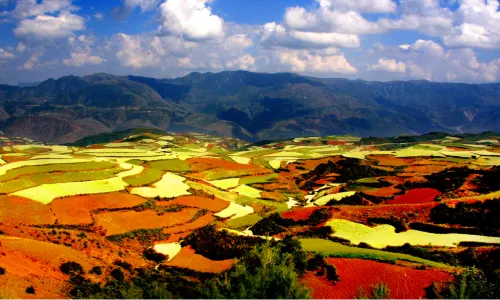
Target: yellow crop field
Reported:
point(45, 193)
point(225, 183)
point(337, 197)
point(40, 162)
point(169, 186)
point(235, 210)
point(385, 235)
point(247, 191)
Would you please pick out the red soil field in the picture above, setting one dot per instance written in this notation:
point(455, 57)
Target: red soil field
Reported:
point(76, 210)
point(382, 192)
point(187, 258)
point(425, 169)
point(198, 223)
point(17, 210)
point(403, 282)
point(213, 205)
point(222, 164)
point(10, 159)
point(428, 161)
point(299, 213)
point(416, 196)
point(124, 221)
point(23, 270)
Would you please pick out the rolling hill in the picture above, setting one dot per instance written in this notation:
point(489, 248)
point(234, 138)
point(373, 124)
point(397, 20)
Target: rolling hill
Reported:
point(246, 105)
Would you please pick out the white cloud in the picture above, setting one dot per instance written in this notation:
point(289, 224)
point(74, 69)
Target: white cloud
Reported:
point(145, 5)
point(365, 6)
point(277, 35)
point(389, 65)
point(99, 16)
point(6, 55)
point(244, 62)
point(191, 19)
point(79, 59)
point(21, 47)
point(425, 59)
point(305, 61)
point(134, 54)
point(479, 25)
point(32, 61)
point(31, 8)
point(48, 27)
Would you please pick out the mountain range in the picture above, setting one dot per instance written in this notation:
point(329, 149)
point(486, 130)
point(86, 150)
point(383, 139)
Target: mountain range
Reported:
point(246, 105)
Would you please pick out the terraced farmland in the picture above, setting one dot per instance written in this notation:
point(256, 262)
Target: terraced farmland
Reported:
point(184, 206)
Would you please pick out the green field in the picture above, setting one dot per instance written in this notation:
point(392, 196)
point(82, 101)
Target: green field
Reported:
point(258, 178)
point(244, 222)
point(67, 167)
point(147, 176)
point(338, 250)
point(29, 181)
point(172, 165)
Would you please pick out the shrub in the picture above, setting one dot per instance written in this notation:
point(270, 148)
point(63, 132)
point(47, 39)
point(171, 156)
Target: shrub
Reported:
point(292, 246)
point(152, 255)
point(219, 245)
point(378, 291)
point(30, 290)
point(319, 216)
point(125, 265)
point(71, 268)
point(96, 270)
point(315, 262)
point(331, 273)
point(266, 227)
point(265, 272)
point(117, 274)
point(2, 271)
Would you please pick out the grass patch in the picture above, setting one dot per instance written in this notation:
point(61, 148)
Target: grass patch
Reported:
point(333, 249)
point(172, 165)
point(258, 178)
point(147, 176)
point(69, 167)
point(29, 181)
point(244, 222)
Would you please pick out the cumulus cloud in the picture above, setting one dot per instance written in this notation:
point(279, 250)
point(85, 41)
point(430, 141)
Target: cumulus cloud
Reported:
point(426, 59)
point(6, 55)
point(305, 61)
point(79, 59)
point(191, 19)
point(81, 52)
point(389, 65)
point(277, 35)
point(33, 8)
point(367, 6)
point(132, 53)
point(48, 19)
point(145, 5)
point(49, 27)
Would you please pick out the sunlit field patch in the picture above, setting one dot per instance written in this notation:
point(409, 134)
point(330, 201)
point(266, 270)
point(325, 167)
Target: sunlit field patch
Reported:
point(170, 249)
point(147, 176)
point(169, 186)
point(213, 205)
point(76, 210)
point(385, 235)
point(124, 221)
point(47, 192)
point(225, 183)
point(187, 258)
point(234, 211)
point(247, 191)
point(337, 197)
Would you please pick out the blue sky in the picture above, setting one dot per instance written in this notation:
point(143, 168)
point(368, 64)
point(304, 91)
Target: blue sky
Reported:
point(437, 40)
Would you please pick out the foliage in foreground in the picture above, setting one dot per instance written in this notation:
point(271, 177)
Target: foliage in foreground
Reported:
point(266, 272)
point(470, 284)
point(378, 291)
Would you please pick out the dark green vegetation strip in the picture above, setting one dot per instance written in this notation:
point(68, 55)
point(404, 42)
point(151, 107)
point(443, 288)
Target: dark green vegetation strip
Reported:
point(338, 250)
point(244, 222)
point(105, 138)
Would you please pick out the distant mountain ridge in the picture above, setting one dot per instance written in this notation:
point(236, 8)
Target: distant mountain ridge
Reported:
point(246, 105)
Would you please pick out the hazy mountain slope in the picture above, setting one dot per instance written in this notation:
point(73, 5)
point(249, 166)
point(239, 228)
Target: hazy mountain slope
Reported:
point(246, 105)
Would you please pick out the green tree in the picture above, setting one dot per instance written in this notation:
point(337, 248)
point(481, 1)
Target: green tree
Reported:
point(266, 272)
